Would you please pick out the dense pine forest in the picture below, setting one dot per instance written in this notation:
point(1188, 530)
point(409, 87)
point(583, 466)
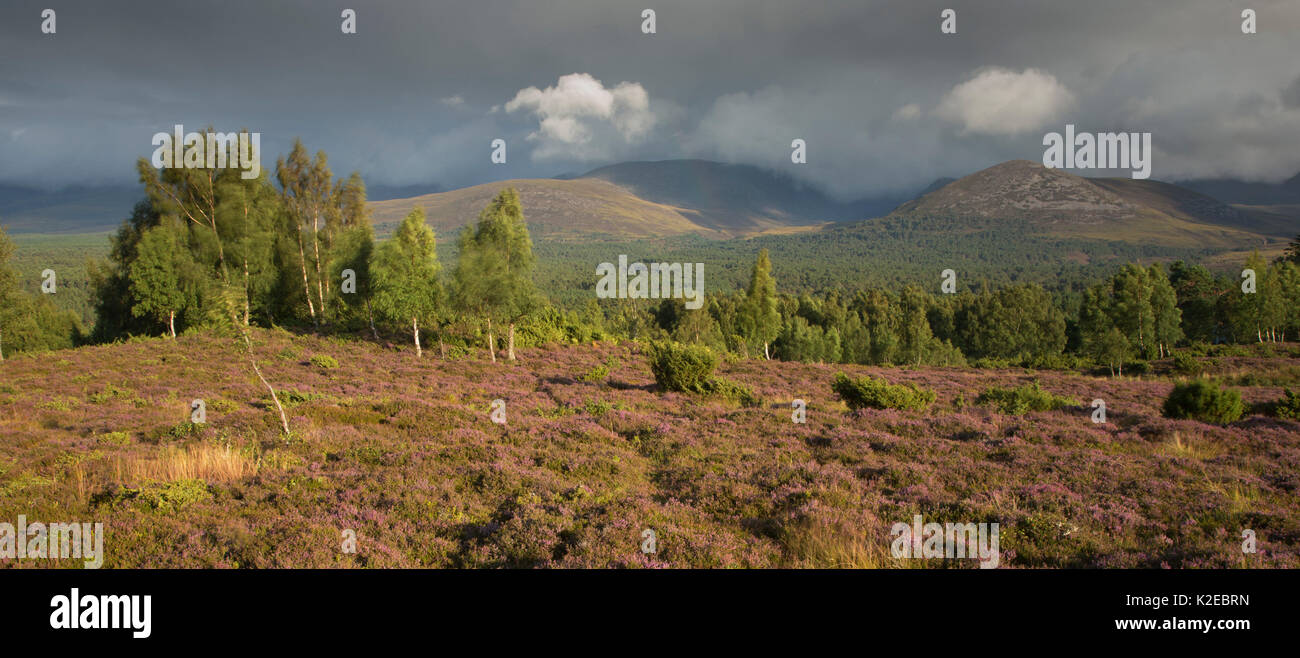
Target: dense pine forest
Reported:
point(209, 250)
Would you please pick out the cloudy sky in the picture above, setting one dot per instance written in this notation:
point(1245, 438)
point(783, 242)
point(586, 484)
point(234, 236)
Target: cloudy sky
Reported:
point(885, 102)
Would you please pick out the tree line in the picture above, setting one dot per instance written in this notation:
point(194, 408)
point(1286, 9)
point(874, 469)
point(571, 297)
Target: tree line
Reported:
point(1137, 314)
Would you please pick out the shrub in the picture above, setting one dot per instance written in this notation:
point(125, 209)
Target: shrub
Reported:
point(1186, 364)
point(1023, 399)
point(293, 398)
point(733, 392)
point(600, 372)
point(115, 438)
point(1288, 406)
point(1138, 367)
point(324, 361)
point(597, 407)
point(168, 496)
point(679, 367)
point(1204, 401)
point(866, 392)
point(185, 430)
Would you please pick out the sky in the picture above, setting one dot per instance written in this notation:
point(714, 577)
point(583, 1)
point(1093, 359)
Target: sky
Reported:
point(885, 102)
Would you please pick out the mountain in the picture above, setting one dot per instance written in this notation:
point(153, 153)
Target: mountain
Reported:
point(650, 199)
point(387, 192)
point(1249, 194)
point(77, 209)
point(556, 209)
point(737, 198)
point(1053, 202)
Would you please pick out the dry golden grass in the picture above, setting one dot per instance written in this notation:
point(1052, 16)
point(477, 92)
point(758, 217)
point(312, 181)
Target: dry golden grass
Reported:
point(1191, 448)
point(199, 461)
point(815, 545)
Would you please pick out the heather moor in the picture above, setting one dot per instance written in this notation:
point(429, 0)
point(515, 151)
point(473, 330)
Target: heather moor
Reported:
point(424, 286)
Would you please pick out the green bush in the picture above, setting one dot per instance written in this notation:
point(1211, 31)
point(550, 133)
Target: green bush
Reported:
point(1138, 367)
point(1288, 406)
point(293, 398)
point(733, 392)
point(679, 367)
point(1204, 401)
point(1186, 364)
point(866, 392)
point(1023, 399)
point(185, 430)
point(324, 361)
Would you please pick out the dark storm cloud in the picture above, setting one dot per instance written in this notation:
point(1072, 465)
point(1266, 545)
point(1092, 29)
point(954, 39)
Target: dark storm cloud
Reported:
point(884, 100)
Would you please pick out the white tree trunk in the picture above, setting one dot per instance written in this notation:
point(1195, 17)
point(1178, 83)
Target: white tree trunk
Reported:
point(511, 342)
point(171, 322)
point(371, 317)
point(415, 325)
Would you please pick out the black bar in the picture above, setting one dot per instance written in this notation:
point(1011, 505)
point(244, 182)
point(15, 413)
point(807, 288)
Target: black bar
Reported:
point(303, 607)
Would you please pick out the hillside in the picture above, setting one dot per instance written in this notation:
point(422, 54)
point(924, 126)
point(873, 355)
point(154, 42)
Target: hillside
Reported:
point(413, 465)
point(77, 209)
point(737, 197)
point(1053, 202)
point(1250, 194)
point(651, 199)
point(557, 209)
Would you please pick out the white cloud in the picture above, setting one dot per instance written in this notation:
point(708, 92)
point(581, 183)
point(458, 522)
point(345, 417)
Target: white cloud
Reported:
point(998, 101)
point(452, 101)
point(580, 118)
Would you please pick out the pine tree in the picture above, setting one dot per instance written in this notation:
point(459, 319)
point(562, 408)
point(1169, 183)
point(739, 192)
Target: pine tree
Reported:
point(1292, 252)
point(1167, 326)
point(1197, 292)
point(405, 271)
point(1252, 313)
point(760, 320)
point(1288, 283)
point(1130, 308)
point(914, 337)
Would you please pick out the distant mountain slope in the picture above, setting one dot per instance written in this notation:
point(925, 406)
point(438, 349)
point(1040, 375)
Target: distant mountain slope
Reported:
point(554, 208)
point(1119, 209)
point(653, 199)
point(70, 210)
point(1249, 194)
point(735, 198)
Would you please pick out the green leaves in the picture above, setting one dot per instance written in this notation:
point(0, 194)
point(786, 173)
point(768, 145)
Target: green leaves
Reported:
point(405, 272)
point(1204, 401)
point(494, 271)
point(164, 280)
point(870, 393)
